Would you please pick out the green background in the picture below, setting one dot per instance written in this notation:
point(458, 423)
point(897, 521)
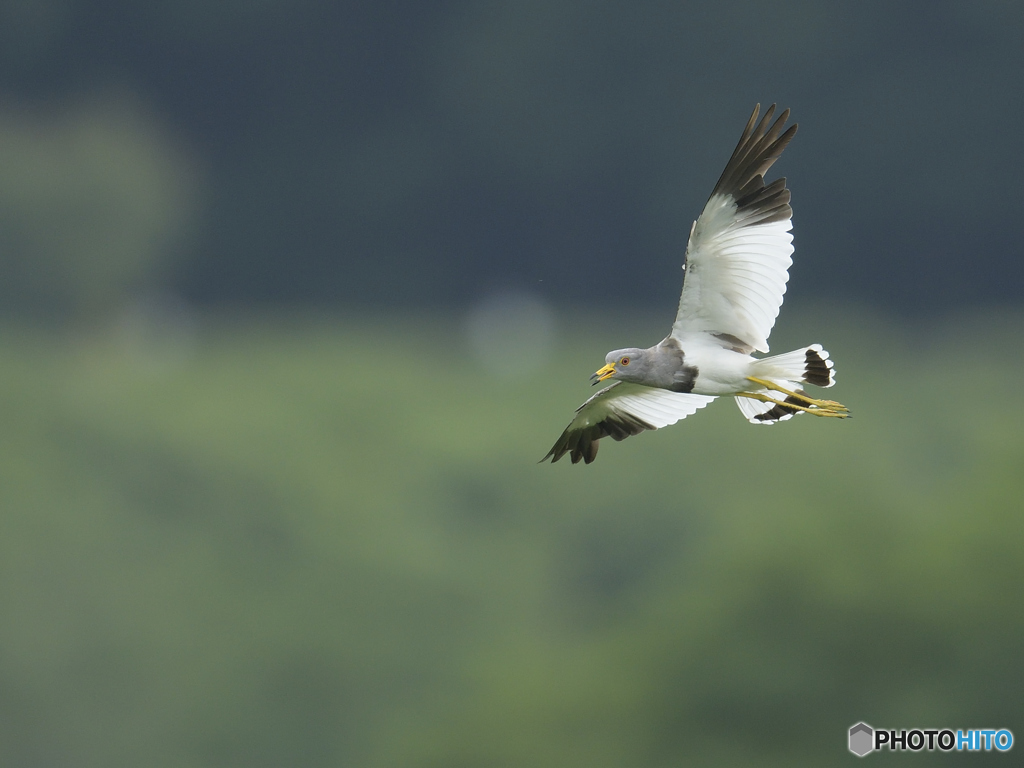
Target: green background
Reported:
point(276, 548)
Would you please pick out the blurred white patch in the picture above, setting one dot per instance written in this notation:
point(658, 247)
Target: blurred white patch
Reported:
point(96, 197)
point(511, 334)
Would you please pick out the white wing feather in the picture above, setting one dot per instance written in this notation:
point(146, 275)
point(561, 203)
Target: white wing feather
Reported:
point(657, 407)
point(740, 248)
point(621, 410)
point(735, 275)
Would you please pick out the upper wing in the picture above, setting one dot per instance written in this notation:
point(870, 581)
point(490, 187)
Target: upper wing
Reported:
point(618, 411)
point(740, 247)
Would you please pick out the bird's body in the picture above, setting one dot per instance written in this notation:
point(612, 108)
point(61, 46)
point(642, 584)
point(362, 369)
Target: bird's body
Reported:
point(735, 275)
point(720, 371)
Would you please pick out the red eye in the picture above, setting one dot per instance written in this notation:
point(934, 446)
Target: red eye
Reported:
point(624, 361)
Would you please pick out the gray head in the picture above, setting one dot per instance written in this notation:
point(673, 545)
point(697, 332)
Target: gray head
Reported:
point(630, 364)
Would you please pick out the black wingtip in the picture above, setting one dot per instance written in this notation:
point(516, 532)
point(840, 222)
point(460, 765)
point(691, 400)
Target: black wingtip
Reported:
point(760, 145)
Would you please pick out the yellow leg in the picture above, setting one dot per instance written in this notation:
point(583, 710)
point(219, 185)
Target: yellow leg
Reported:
point(816, 410)
point(828, 405)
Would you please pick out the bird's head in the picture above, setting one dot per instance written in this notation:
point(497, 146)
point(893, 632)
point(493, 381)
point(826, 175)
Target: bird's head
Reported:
point(623, 364)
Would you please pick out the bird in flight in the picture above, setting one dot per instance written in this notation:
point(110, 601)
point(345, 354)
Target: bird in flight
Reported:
point(734, 277)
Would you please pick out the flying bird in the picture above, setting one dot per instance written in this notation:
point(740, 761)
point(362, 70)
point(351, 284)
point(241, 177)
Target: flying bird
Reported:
point(734, 277)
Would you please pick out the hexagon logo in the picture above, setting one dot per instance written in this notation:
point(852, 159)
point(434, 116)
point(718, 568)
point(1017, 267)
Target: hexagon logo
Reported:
point(862, 737)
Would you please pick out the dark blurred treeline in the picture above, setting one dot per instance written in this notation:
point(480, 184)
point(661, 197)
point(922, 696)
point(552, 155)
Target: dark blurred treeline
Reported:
point(397, 152)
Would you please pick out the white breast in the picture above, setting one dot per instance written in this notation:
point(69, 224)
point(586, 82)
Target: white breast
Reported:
point(719, 371)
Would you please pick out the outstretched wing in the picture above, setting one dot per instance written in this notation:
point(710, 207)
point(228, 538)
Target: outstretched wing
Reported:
point(740, 248)
point(618, 411)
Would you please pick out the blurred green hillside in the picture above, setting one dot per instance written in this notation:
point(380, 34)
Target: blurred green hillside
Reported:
point(327, 542)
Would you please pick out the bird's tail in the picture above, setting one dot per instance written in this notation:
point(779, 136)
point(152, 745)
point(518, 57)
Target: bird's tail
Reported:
point(810, 365)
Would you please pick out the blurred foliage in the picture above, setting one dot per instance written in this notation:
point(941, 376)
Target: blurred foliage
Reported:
point(93, 199)
point(319, 542)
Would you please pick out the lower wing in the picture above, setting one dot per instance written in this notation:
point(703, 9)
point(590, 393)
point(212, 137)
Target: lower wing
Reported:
point(619, 411)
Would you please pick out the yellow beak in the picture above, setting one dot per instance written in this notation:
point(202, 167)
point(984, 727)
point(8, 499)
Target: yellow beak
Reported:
point(604, 373)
